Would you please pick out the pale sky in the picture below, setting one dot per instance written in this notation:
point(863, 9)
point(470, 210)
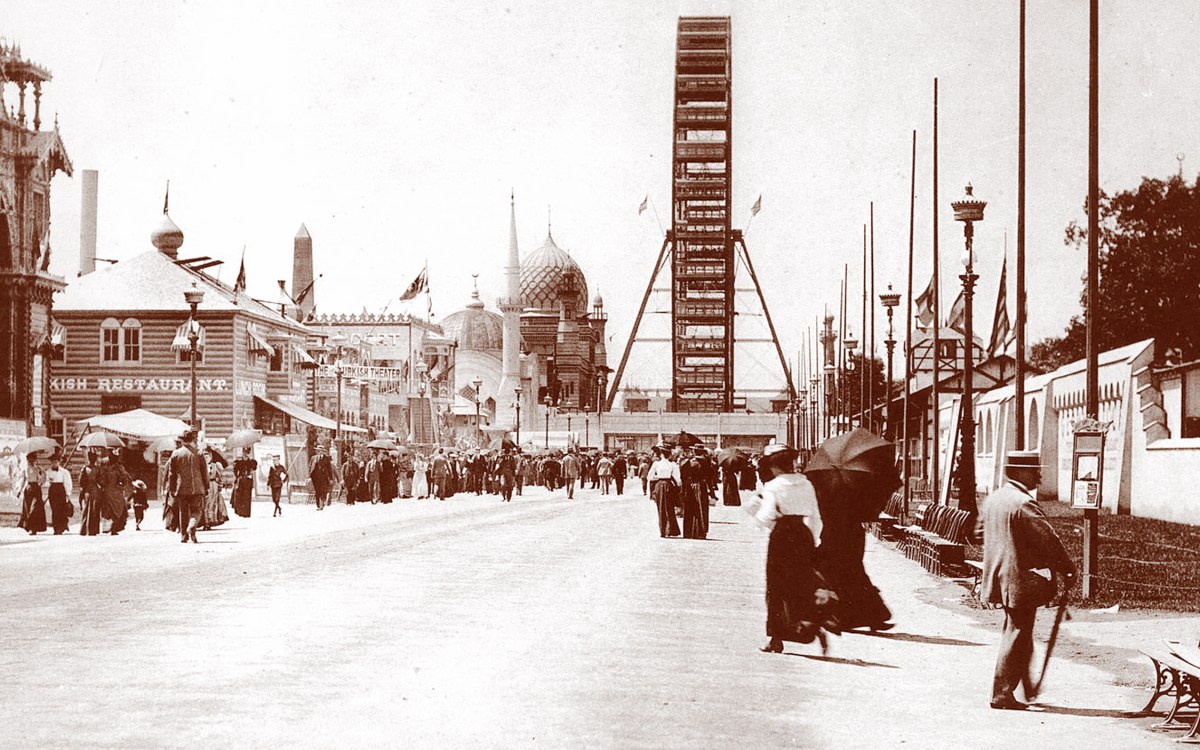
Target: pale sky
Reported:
point(396, 131)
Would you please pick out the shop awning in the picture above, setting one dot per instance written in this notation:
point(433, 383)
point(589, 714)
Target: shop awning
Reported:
point(308, 417)
point(137, 424)
point(258, 343)
point(303, 357)
point(181, 340)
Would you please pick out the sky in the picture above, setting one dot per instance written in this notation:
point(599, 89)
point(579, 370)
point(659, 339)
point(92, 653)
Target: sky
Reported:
point(396, 133)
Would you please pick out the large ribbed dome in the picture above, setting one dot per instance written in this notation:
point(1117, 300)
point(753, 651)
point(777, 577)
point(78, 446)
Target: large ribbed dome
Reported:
point(475, 329)
point(550, 276)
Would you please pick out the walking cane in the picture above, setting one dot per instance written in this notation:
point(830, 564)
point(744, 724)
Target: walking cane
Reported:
point(1031, 693)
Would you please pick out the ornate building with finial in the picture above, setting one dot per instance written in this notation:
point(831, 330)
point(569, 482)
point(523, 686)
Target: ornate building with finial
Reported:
point(29, 160)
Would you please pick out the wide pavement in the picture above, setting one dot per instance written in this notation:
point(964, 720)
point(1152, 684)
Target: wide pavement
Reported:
point(469, 623)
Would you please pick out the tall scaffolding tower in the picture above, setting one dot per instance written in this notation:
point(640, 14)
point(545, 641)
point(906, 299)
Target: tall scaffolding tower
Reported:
point(702, 246)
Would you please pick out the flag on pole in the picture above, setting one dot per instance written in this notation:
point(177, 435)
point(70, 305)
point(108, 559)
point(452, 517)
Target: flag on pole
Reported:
point(958, 314)
point(1001, 326)
point(645, 203)
point(418, 285)
point(240, 284)
point(167, 197)
point(757, 206)
point(924, 302)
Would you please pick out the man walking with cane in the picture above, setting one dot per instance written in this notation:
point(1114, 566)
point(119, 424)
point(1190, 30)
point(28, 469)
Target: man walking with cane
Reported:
point(1018, 544)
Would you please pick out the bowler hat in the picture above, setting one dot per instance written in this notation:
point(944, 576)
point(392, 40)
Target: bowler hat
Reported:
point(189, 433)
point(1023, 460)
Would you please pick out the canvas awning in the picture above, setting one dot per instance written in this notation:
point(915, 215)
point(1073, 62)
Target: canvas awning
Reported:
point(303, 357)
point(181, 340)
point(308, 417)
point(258, 343)
point(137, 424)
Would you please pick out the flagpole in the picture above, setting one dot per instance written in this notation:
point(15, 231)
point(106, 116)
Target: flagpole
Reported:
point(863, 419)
point(912, 203)
point(1019, 396)
point(870, 371)
point(935, 396)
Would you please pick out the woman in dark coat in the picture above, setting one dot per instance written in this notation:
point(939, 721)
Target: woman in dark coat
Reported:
point(115, 486)
point(694, 493)
point(89, 498)
point(799, 608)
point(389, 485)
point(840, 560)
point(244, 469)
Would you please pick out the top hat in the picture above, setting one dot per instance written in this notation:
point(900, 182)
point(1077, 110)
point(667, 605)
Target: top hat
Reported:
point(1023, 460)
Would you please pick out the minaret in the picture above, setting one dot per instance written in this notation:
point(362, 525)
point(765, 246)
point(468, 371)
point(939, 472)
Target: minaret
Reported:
point(511, 308)
point(302, 274)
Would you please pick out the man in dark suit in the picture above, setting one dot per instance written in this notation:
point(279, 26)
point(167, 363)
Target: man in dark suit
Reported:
point(1018, 541)
point(187, 482)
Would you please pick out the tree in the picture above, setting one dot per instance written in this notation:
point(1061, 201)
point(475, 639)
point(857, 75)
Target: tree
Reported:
point(1149, 273)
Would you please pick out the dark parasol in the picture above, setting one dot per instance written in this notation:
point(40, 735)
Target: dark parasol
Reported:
point(858, 468)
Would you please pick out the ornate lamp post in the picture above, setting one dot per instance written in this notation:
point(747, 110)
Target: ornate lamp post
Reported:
point(599, 400)
point(194, 297)
point(802, 420)
point(851, 344)
point(518, 390)
point(547, 402)
point(478, 383)
point(337, 341)
point(890, 300)
point(790, 410)
point(968, 210)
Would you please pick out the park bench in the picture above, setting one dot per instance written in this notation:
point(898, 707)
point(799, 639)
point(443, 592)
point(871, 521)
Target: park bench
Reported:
point(1177, 676)
point(884, 527)
point(938, 539)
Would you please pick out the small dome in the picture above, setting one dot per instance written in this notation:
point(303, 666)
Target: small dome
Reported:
point(168, 237)
point(550, 276)
point(598, 301)
point(475, 329)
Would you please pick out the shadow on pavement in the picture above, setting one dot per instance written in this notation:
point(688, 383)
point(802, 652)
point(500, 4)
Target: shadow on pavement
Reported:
point(839, 660)
point(1105, 713)
point(915, 638)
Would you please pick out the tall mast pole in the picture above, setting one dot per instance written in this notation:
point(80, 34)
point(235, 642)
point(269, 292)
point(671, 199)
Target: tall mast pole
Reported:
point(935, 396)
point(912, 203)
point(869, 370)
point(1091, 516)
point(1019, 396)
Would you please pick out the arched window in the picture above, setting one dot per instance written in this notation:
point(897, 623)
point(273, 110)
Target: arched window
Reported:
point(1032, 442)
point(131, 340)
point(110, 340)
point(989, 436)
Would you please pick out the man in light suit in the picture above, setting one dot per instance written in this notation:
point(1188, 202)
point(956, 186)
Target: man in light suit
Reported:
point(1017, 541)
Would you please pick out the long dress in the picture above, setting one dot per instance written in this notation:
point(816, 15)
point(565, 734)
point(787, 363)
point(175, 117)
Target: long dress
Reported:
point(115, 487)
point(33, 507)
point(695, 500)
point(420, 486)
point(214, 512)
point(798, 605)
point(57, 496)
point(243, 485)
point(89, 502)
point(840, 560)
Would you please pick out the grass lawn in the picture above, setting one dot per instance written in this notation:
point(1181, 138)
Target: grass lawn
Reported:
point(1144, 563)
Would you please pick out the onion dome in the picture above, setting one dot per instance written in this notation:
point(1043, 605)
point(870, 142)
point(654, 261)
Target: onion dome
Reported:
point(552, 280)
point(598, 301)
point(474, 328)
point(167, 238)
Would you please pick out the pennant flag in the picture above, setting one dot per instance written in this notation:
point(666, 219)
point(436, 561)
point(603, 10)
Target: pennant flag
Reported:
point(240, 284)
point(958, 314)
point(757, 206)
point(1001, 327)
point(925, 306)
point(418, 285)
point(645, 203)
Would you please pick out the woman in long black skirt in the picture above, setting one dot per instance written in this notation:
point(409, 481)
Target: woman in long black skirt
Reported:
point(33, 507)
point(799, 608)
point(58, 493)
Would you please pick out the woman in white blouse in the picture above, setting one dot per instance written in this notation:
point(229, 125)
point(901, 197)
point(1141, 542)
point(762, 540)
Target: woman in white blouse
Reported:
point(797, 602)
point(58, 492)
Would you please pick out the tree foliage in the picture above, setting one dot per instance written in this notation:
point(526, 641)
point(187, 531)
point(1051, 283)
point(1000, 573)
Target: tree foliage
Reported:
point(1149, 284)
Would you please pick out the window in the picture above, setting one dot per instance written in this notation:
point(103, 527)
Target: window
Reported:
point(120, 342)
point(110, 341)
point(131, 340)
point(183, 356)
point(277, 360)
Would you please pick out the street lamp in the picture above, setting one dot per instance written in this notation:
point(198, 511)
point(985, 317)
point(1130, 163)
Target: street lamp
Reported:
point(518, 390)
point(968, 210)
point(851, 344)
point(789, 410)
point(802, 403)
point(194, 297)
point(814, 383)
point(599, 399)
point(547, 402)
point(889, 299)
point(478, 383)
point(338, 340)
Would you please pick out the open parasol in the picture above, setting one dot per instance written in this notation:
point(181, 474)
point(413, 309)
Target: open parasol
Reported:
point(382, 444)
point(36, 444)
point(101, 439)
point(502, 443)
point(242, 439)
point(684, 440)
point(732, 459)
point(858, 468)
